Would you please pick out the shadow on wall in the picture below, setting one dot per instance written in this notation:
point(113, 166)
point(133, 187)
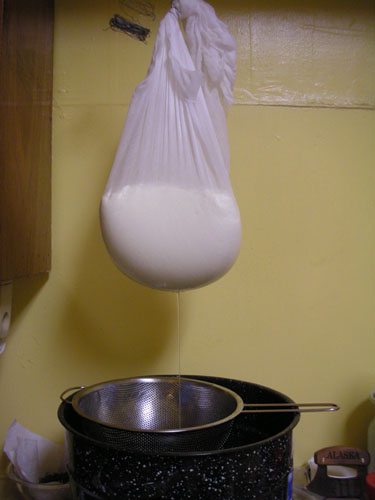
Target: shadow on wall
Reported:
point(110, 319)
point(357, 424)
point(24, 291)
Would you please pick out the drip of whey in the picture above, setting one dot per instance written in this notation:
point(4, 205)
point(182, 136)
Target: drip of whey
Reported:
point(171, 238)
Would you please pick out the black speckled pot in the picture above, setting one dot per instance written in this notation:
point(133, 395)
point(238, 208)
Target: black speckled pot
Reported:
point(255, 462)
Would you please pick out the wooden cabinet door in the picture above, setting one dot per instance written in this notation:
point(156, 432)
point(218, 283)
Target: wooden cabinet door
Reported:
point(26, 48)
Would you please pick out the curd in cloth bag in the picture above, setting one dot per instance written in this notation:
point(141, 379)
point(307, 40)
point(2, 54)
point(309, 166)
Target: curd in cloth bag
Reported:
point(169, 218)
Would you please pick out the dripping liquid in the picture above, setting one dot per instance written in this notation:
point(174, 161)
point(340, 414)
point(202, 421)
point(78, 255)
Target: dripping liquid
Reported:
point(179, 358)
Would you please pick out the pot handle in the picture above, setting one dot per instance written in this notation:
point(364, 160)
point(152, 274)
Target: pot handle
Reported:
point(289, 407)
point(64, 400)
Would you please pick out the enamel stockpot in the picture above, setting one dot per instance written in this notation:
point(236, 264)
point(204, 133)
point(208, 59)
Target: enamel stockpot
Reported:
point(255, 462)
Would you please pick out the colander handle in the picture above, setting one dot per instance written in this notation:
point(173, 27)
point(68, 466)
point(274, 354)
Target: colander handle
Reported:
point(64, 400)
point(289, 407)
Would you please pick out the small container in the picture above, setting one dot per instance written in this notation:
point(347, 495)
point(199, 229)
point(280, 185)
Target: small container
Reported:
point(39, 491)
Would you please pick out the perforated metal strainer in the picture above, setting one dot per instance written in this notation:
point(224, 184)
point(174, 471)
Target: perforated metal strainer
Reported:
point(154, 414)
point(166, 413)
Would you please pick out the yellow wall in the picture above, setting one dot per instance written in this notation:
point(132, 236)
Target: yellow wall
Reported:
point(295, 313)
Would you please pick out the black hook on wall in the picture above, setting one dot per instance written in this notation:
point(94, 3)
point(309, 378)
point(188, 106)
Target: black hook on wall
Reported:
point(133, 28)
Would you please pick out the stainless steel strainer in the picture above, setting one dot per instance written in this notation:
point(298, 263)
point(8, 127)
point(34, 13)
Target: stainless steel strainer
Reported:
point(154, 414)
point(166, 413)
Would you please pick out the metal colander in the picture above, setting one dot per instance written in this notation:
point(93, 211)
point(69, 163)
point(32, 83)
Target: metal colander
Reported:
point(155, 414)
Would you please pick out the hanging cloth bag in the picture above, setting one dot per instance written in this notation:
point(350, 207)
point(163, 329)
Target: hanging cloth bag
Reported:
point(169, 218)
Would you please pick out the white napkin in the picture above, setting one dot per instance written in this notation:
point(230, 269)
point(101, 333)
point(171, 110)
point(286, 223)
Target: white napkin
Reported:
point(32, 456)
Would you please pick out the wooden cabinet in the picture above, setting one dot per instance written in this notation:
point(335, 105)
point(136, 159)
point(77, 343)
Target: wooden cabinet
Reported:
point(26, 51)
